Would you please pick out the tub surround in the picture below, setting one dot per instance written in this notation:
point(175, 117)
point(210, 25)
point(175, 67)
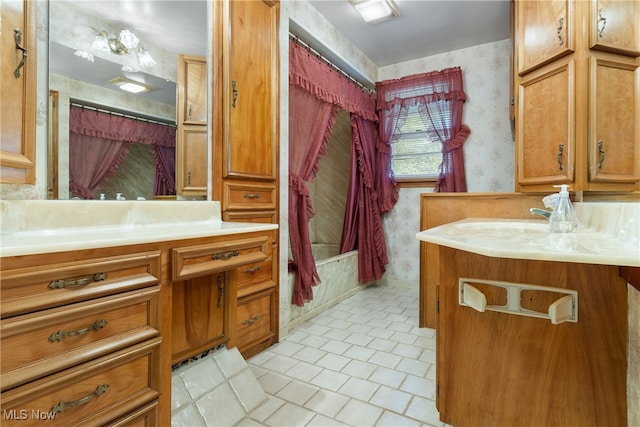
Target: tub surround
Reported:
point(39, 226)
point(607, 234)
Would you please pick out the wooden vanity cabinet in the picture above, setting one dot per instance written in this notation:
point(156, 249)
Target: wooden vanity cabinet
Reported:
point(191, 136)
point(18, 88)
point(503, 369)
point(81, 336)
point(578, 95)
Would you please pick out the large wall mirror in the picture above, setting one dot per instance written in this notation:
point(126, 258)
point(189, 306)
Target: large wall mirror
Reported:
point(93, 54)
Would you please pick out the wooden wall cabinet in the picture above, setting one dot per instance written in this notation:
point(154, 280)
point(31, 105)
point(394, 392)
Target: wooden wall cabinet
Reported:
point(191, 136)
point(578, 95)
point(245, 175)
point(18, 88)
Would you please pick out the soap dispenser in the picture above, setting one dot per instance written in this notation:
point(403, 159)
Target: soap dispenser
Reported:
point(563, 218)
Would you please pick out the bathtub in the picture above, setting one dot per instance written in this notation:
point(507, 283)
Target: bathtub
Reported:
point(339, 276)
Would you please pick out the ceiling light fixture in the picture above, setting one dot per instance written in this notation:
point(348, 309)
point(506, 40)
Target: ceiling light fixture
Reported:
point(131, 85)
point(373, 11)
point(125, 43)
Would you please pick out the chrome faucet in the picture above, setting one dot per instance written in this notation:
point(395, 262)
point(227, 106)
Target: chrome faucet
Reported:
point(541, 212)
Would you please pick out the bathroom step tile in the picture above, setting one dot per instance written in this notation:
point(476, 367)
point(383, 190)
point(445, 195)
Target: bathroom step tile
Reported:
point(248, 389)
point(201, 376)
point(188, 416)
point(230, 361)
point(220, 407)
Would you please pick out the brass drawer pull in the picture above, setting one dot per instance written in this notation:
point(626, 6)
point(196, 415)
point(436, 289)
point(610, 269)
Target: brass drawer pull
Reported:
point(225, 255)
point(251, 321)
point(61, 335)
point(602, 22)
point(560, 151)
point(602, 154)
point(252, 195)
point(560, 26)
point(63, 405)
point(74, 283)
point(251, 270)
point(18, 38)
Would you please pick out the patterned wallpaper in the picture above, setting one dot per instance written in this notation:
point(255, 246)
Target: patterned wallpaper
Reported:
point(489, 151)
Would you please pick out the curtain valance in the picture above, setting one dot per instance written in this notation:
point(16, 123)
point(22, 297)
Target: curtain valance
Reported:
point(117, 128)
point(309, 72)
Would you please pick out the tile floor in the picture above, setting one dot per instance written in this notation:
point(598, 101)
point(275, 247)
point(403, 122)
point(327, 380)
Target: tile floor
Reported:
point(363, 362)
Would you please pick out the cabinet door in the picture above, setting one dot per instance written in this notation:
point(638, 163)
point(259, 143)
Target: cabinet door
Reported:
point(18, 88)
point(191, 162)
point(546, 129)
point(198, 316)
point(545, 32)
point(614, 134)
point(192, 90)
point(249, 150)
point(614, 26)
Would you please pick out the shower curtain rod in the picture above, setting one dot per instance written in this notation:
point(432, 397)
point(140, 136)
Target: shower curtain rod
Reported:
point(334, 66)
point(120, 113)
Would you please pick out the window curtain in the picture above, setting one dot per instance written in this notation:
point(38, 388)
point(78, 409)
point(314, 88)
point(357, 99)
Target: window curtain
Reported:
point(99, 142)
point(316, 93)
point(440, 97)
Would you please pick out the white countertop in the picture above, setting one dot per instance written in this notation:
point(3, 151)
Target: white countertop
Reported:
point(37, 227)
point(608, 234)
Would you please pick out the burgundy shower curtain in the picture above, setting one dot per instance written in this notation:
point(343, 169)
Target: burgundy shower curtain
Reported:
point(98, 143)
point(316, 93)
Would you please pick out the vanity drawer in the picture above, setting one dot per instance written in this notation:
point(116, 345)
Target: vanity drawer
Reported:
point(256, 321)
point(39, 344)
point(200, 260)
point(250, 275)
point(35, 288)
point(239, 196)
point(92, 394)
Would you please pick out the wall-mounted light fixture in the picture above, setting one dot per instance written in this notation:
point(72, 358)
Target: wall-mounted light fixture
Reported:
point(373, 11)
point(125, 43)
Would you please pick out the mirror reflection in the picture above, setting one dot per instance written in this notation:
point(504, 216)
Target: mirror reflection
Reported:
point(114, 78)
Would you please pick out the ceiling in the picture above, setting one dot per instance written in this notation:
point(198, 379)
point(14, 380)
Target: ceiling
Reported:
point(423, 28)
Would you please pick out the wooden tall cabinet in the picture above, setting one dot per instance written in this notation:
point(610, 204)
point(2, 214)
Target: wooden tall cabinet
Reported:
point(577, 94)
point(18, 88)
point(191, 137)
point(245, 172)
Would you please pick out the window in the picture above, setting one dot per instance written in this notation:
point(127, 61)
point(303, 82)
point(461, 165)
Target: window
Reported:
point(416, 153)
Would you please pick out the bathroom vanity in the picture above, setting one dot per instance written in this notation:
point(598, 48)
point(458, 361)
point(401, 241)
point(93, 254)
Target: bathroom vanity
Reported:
point(95, 314)
point(532, 328)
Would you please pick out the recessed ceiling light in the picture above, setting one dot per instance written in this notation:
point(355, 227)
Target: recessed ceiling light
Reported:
point(131, 85)
point(375, 10)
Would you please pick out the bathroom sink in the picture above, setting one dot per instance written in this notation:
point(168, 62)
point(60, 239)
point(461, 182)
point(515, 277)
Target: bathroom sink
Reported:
point(502, 226)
